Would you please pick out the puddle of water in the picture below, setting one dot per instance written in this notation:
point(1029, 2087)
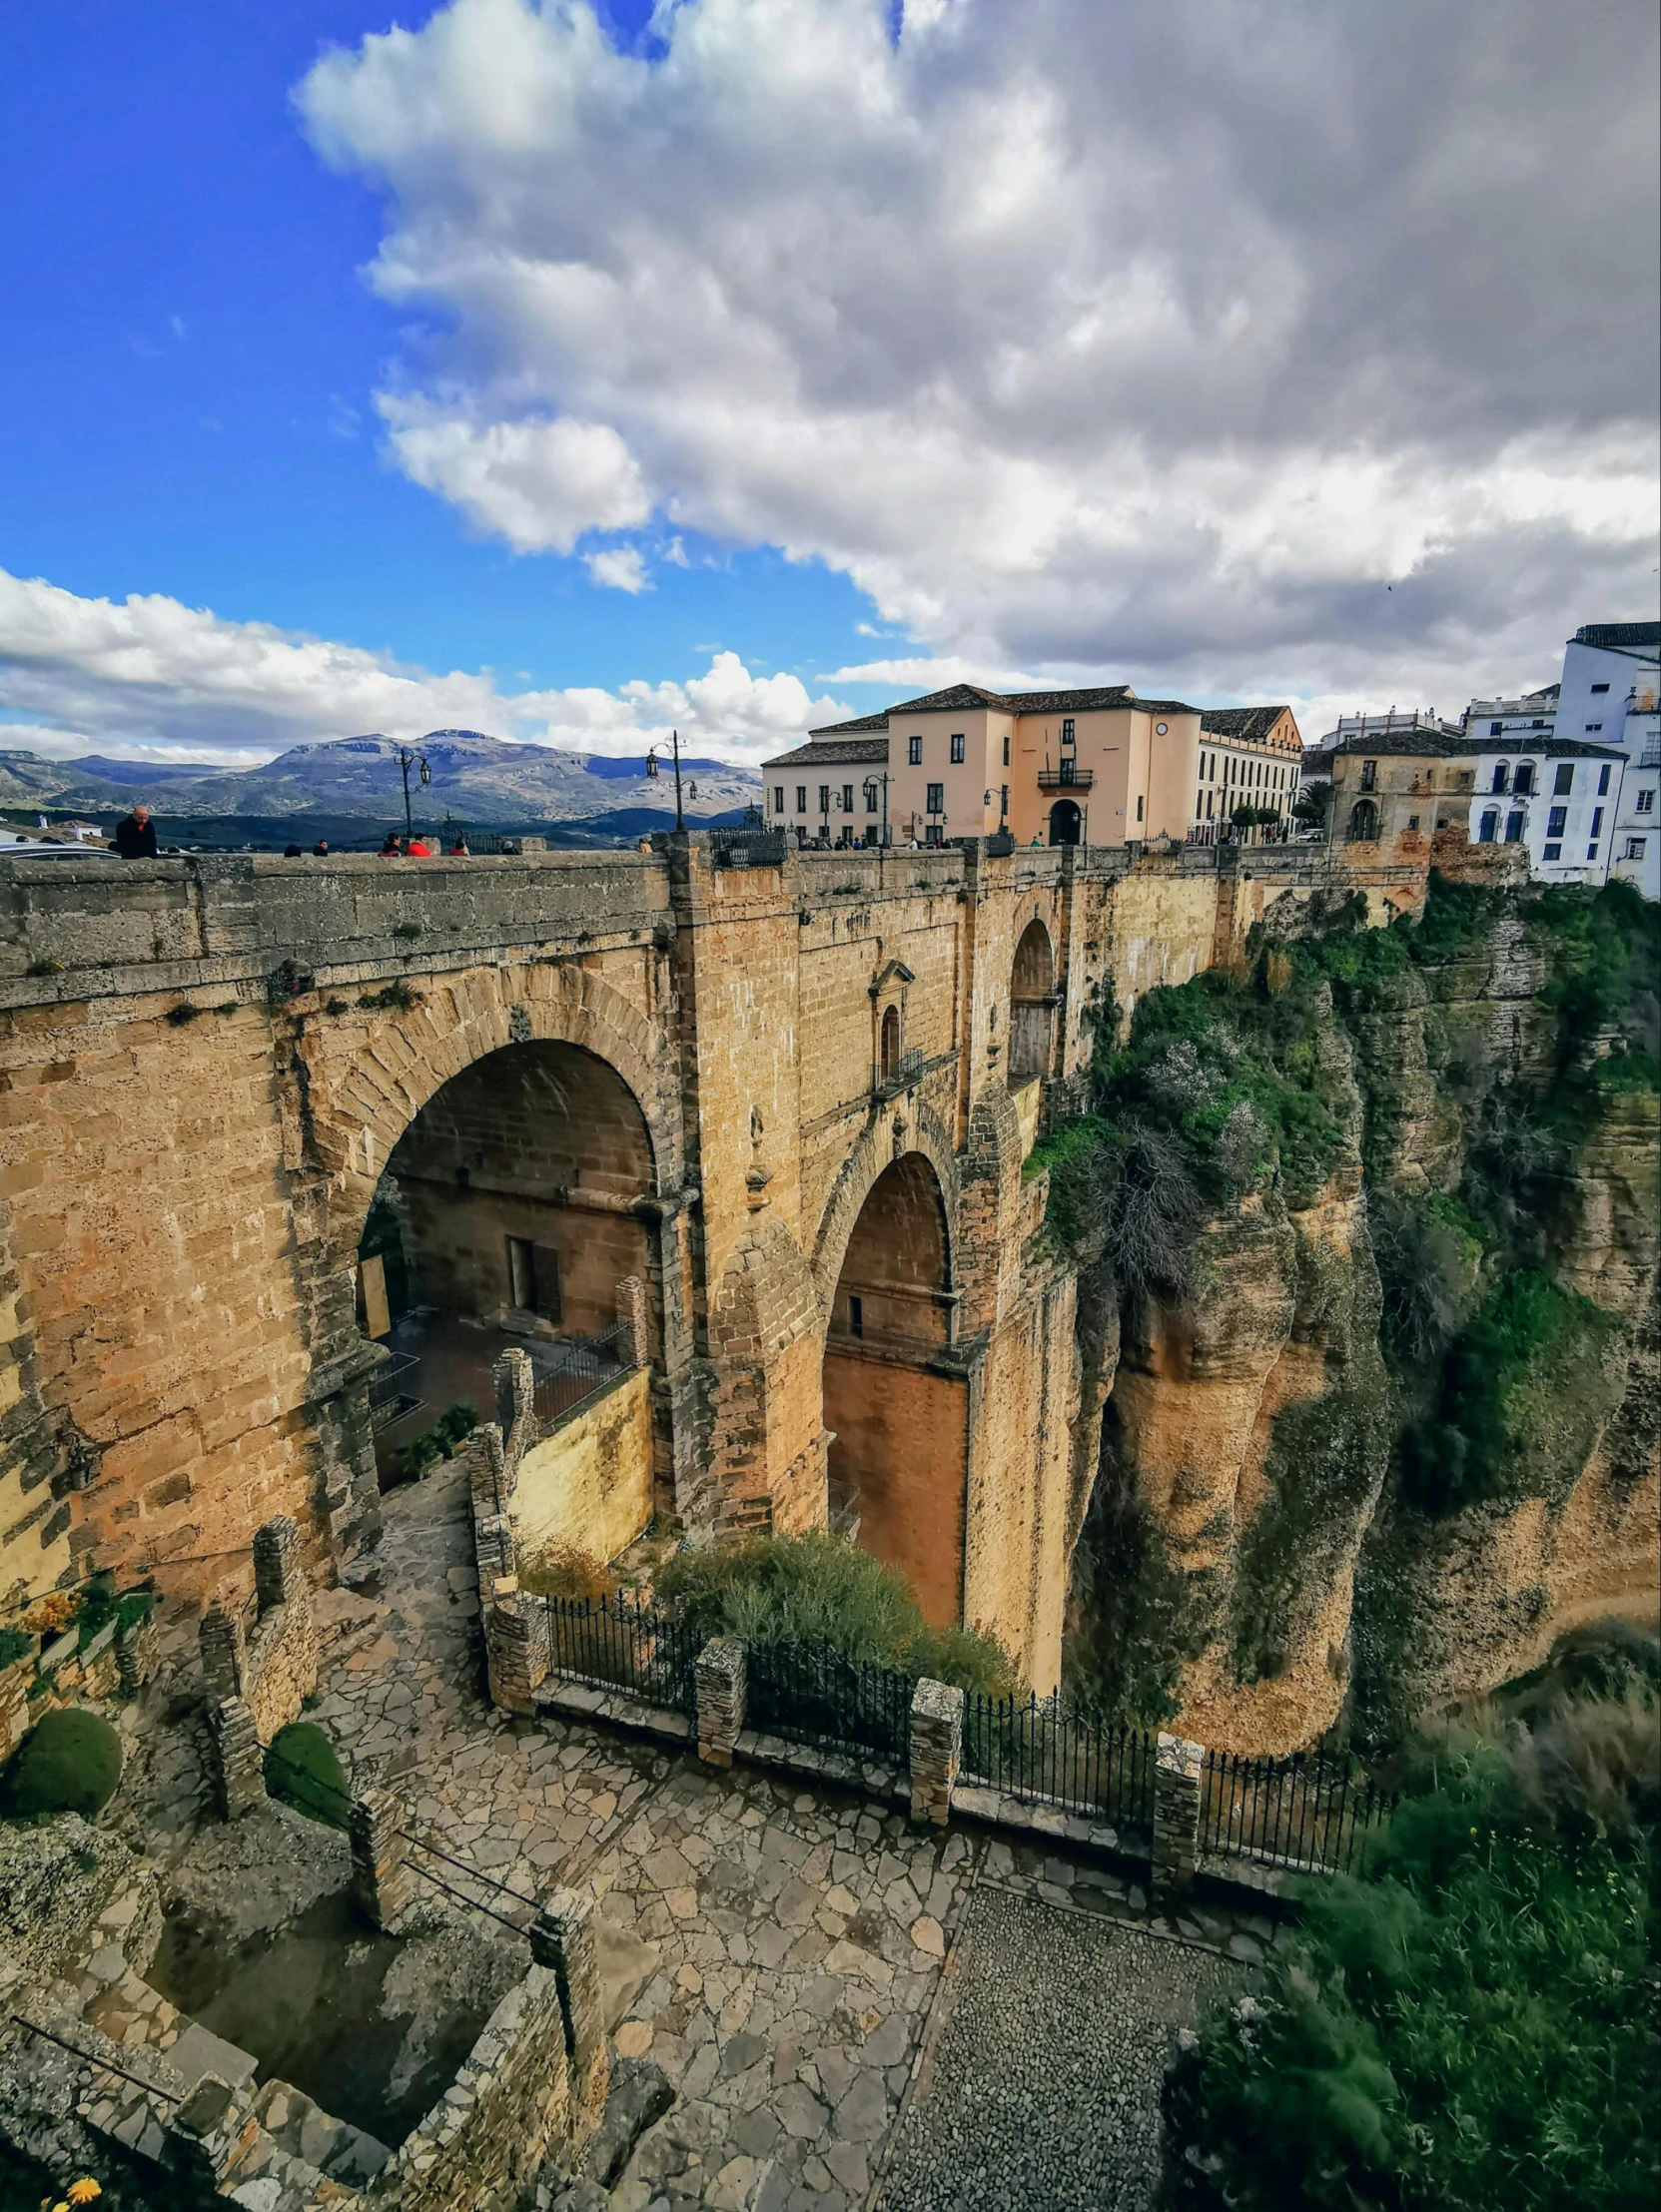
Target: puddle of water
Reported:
point(312, 2004)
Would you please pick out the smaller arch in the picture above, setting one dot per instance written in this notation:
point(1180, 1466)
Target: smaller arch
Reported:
point(1522, 783)
point(1031, 1006)
point(1490, 828)
point(1066, 822)
point(1502, 776)
point(889, 1048)
point(1364, 822)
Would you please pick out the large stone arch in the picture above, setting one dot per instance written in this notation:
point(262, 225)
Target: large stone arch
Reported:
point(363, 1108)
point(879, 1145)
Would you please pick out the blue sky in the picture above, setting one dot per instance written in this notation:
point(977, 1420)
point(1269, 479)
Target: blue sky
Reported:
point(1025, 385)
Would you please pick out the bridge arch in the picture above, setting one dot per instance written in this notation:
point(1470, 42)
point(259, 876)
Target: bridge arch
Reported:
point(878, 1148)
point(1031, 1006)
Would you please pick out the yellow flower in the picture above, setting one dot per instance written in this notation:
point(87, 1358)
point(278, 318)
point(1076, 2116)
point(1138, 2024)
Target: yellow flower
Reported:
point(83, 2192)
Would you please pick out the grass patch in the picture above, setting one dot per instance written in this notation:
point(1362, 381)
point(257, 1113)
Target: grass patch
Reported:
point(822, 1589)
point(302, 1771)
point(69, 1762)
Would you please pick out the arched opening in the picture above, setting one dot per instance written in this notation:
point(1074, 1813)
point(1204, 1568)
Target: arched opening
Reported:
point(1065, 822)
point(1522, 784)
point(1364, 822)
point(1031, 1006)
point(1502, 775)
point(897, 1411)
point(504, 1216)
point(890, 1052)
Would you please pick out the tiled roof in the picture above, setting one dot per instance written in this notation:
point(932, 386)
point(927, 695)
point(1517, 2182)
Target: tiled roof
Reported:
point(1249, 725)
point(1417, 744)
point(859, 722)
point(1620, 637)
point(833, 752)
point(968, 696)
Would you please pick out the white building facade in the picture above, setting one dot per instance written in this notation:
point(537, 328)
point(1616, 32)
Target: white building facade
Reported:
point(1635, 855)
point(1558, 797)
point(1605, 664)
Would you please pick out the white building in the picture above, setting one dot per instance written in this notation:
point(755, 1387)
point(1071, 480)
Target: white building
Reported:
point(1635, 848)
point(1603, 664)
point(1558, 797)
point(1518, 721)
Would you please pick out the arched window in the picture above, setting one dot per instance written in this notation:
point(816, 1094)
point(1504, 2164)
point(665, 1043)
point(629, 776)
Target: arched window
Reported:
point(1364, 822)
point(1490, 827)
point(890, 1049)
point(1065, 822)
point(1032, 984)
point(1523, 782)
point(1502, 775)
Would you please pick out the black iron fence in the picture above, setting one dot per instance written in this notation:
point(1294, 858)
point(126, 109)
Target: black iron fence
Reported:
point(814, 1694)
point(577, 1367)
point(394, 1389)
point(1310, 1811)
point(1038, 1750)
point(620, 1643)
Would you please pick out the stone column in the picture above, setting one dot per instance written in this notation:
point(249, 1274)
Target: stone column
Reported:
point(634, 1349)
point(218, 1637)
point(1178, 1770)
point(562, 1939)
point(138, 1653)
point(721, 1681)
point(515, 1381)
point(279, 1571)
point(487, 1481)
point(516, 1644)
point(383, 1881)
point(236, 1760)
point(936, 1750)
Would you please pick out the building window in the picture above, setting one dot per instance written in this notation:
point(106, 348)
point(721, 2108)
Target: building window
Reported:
point(1646, 803)
point(1592, 851)
point(1635, 848)
point(801, 798)
point(913, 751)
point(1198, 804)
point(1523, 781)
point(1552, 851)
point(1413, 821)
point(1210, 796)
point(1068, 772)
point(1489, 830)
point(847, 798)
point(1496, 729)
point(937, 798)
point(1370, 775)
point(1006, 748)
point(1604, 781)
point(1596, 829)
point(933, 834)
point(778, 800)
point(824, 798)
point(957, 748)
point(1139, 806)
point(1594, 726)
point(1067, 737)
point(1513, 829)
point(1600, 687)
point(871, 798)
point(1565, 778)
point(1557, 821)
point(1502, 774)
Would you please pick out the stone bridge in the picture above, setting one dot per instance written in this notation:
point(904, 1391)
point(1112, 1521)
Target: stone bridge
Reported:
point(254, 1109)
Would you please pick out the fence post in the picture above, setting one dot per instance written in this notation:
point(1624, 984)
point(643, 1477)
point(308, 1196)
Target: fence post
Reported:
point(516, 1644)
point(236, 1760)
point(631, 1320)
point(720, 1683)
point(382, 1879)
point(936, 1750)
point(1178, 1769)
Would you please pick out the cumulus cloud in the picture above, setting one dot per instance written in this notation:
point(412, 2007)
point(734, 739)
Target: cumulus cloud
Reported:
point(621, 568)
point(150, 678)
point(1259, 345)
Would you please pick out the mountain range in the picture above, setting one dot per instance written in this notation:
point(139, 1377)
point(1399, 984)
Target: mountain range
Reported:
point(475, 778)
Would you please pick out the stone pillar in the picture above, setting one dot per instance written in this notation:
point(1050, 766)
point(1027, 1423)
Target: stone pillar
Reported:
point(515, 1381)
point(1177, 1772)
point(936, 1750)
point(138, 1653)
point(381, 1880)
point(721, 1681)
point(488, 1484)
point(236, 1760)
point(494, 1553)
point(562, 1939)
point(635, 1348)
point(279, 1571)
point(516, 1644)
point(218, 1637)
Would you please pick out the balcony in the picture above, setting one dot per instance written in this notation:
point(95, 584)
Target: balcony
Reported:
point(1068, 777)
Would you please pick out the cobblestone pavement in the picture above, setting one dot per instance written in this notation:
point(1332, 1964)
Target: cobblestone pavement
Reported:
point(1043, 2088)
point(785, 1947)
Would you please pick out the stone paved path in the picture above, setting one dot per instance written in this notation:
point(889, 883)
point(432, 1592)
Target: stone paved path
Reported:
point(788, 1946)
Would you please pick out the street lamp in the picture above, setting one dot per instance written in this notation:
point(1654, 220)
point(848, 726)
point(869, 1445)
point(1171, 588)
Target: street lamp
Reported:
point(652, 775)
point(407, 760)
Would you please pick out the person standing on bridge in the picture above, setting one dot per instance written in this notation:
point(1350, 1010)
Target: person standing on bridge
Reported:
point(135, 835)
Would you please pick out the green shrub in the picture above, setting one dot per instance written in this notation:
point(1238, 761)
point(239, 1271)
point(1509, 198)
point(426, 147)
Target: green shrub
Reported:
point(14, 1642)
point(822, 1589)
point(1471, 2022)
point(439, 1443)
point(69, 1762)
point(302, 1770)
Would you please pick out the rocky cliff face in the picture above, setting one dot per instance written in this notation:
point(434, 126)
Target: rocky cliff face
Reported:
point(1396, 1428)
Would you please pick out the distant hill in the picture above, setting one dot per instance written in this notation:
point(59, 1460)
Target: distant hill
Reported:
point(475, 779)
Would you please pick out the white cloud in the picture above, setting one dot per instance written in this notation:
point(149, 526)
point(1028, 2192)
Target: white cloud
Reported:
point(622, 567)
point(150, 678)
point(1136, 338)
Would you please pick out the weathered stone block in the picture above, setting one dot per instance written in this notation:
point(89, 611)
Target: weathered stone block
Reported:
point(936, 1750)
point(1178, 1771)
point(721, 1681)
point(236, 1759)
point(383, 1881)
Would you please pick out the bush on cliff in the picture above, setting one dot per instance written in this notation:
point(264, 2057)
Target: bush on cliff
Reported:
point(69, 1762)
point(822, 1589)
point(1471, 2022)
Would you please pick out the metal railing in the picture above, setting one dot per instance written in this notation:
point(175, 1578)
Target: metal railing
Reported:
point(1066, 778)
point(393, 1391)
point(575, 1367)
point(1038, 1751)
point(905, 1067)
point(1308, 1811)
point(811, 1693)
point(625, 1643)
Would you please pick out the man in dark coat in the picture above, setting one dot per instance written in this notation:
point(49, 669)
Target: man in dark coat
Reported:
point(135, 835)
